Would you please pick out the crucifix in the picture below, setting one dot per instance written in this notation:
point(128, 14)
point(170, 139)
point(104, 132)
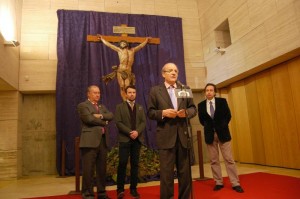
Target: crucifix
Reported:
point(123, 71)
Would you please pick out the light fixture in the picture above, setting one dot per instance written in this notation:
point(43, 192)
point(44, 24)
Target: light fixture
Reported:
point(13, 43)
point(220, 50)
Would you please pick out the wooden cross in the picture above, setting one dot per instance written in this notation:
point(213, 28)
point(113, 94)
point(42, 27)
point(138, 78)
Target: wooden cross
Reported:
point(124, 30)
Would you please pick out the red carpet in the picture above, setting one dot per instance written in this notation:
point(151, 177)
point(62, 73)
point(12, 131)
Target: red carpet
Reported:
point(256, 186)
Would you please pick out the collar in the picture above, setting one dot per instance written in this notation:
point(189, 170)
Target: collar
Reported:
point(168, 85)
point(130, 101)
point(93, 102)
point(213, 100)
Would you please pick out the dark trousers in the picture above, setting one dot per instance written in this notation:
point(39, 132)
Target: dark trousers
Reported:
point(91, 158)
point(126, 149)
point(168, 157)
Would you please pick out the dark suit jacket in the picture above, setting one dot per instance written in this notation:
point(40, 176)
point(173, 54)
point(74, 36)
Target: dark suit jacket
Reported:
point(91, 127)
point(123, 121)
point(168, 128)
point(220, 122)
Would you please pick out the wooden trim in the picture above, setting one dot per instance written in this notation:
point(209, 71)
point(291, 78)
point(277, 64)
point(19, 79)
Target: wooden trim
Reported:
point(96, 38)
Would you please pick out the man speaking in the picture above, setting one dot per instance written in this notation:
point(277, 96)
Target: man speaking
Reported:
point(172, 133)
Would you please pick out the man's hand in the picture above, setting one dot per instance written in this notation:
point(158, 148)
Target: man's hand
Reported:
point(170, 113)
point(98, 116)
point(181, 113)
point(133, 135)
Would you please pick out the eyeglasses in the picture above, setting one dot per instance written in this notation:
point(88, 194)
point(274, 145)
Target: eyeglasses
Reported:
point(171, 70)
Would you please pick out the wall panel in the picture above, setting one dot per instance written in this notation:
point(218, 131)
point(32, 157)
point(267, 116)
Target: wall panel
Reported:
point(282, 32)
point(254, 121)
point(241, 119)
point(268, 119)
point(232, 125)
point(37, 75)
point(284, 105)
point(266, 109)
point(10, 145)
point(294, 74)
point(38, 130)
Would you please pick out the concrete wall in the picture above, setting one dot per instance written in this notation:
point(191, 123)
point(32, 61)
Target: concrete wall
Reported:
point(263, 33)
point(10, 133)
point(10, 97)
point(10, 11)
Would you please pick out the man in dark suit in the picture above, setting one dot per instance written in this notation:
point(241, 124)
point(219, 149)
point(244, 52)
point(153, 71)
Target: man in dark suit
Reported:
point(93, 143)
point(172, 133)
point(214, 114)
point(131, 122)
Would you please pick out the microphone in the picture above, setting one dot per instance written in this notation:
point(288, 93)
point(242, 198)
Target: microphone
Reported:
point(180, 84)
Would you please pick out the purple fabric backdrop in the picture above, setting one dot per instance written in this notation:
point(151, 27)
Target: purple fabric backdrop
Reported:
point(82, 63)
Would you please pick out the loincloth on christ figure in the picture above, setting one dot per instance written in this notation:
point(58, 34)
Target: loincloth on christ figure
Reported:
point(124, 75)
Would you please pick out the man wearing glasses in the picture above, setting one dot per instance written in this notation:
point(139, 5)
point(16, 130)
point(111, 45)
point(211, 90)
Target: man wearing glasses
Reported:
point(171, 133)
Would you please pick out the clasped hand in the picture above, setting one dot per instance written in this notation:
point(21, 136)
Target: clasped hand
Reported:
point(172, 113)
point(97, 115)
point(133, 134)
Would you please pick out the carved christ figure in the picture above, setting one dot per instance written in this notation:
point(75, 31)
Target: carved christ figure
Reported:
point(123, 72)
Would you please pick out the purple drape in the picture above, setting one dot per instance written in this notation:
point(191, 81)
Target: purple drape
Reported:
point(82, 63)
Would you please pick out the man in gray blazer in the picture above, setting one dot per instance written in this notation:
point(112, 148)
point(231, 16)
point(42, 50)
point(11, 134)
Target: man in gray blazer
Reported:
point(131, 122)
point(93, 143)
point(172, 133)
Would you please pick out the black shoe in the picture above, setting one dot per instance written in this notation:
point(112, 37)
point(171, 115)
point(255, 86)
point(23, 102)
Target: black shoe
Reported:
point(103, 197)
point(134, 193)
point(87, 196)
point(238, 189)
point(120, 194)
point(218, 187)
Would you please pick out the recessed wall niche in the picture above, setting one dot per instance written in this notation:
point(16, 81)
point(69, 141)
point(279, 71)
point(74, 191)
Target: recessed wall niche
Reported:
point(222, 35)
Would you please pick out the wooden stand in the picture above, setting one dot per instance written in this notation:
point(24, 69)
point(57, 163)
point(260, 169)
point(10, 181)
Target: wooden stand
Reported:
point(200, 156)
point(77, 168)
point(63, 160)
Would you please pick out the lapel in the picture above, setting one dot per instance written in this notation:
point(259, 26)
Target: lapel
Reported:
point(205, 110)
point(125, 108)
point(165, 94)
point(126, 111)
point(217, 106)
point(139, 109)
point(101, 109)
point(90, 106)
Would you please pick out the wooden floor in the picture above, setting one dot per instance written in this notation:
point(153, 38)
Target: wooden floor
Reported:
point(53, 185)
